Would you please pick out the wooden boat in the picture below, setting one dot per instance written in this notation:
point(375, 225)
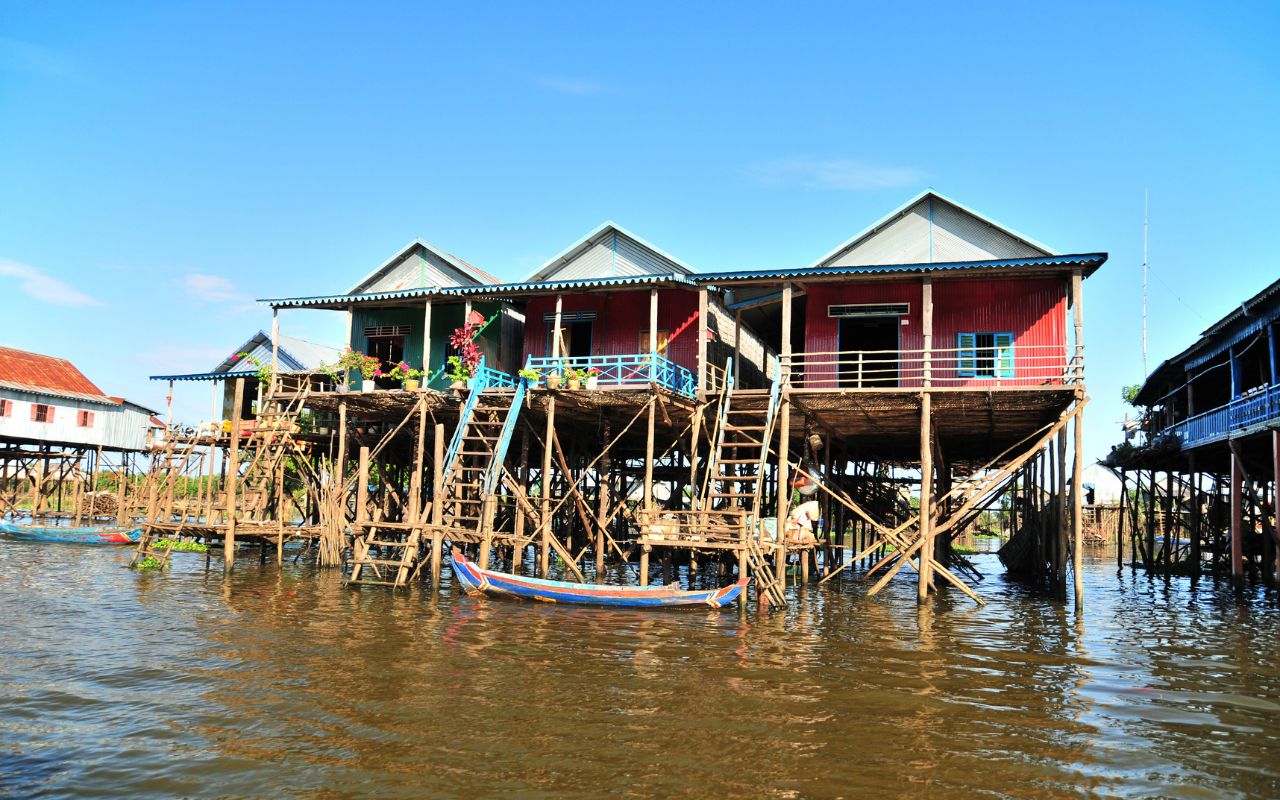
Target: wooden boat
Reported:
point(476, 580)
point(91, 534)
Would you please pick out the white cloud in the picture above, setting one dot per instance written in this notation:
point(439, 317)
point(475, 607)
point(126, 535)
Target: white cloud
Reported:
point(36, 284)
point(567, 85)
point(216, 289)
point(834, 173)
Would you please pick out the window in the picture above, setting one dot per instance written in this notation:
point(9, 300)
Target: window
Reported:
point(6, 408)
point(664, 339)
point(41, 412)
point(84, 419)
point(984, 355)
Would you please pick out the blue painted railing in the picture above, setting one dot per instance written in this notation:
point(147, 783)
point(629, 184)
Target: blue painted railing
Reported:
point(627, 370)
point(1252, 409)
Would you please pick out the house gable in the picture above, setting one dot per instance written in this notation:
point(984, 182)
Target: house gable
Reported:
point(296, 355)
point(418, 265)
point(931, 228)
point(608, 252)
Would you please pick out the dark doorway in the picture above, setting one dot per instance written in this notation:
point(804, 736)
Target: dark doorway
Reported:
point(390, 350)
point(876, 361)
point(575, 338)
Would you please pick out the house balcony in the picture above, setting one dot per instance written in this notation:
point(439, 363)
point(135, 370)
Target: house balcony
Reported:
point(997, 367)
point(1255, 409)
point(625, 371)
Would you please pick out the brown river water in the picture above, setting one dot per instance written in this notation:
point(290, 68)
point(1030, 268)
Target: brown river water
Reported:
point(282, 683)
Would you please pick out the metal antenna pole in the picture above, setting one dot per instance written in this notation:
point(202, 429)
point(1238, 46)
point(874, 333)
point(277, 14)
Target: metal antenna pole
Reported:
point(1145, 266)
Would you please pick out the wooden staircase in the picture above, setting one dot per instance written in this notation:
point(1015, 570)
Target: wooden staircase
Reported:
point(269, 443)
point(475, 459)
point(178, 459)
point(731, 503)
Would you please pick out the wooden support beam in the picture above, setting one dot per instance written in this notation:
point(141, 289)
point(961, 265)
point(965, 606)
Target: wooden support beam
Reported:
point(362, 486)
point(437, 505)
point(419, 457)
point(275, 347)
point(233, 475)
point(1237, 513)
point(426, 339)
point(1077, 512)
point(544, 521)
point(555, 335)
point(926, 495)
point(703, 329)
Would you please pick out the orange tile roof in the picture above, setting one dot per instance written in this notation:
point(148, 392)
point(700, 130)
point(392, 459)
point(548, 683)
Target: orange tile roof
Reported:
point(20, 369)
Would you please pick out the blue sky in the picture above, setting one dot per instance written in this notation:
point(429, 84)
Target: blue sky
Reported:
point(163, 164)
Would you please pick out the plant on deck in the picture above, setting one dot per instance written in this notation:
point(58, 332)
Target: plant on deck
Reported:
point(264, 372)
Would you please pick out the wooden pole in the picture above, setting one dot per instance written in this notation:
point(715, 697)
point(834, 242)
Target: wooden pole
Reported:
point(648, 457)
point(555, 338)
point(1059, 484)
point(362, 486)
point(426, 339)
point(1237, 518)
point(544, 524)
point(737, 351)
point(703, 329)
point(437, 507)
point(275, 346)
point(926, 313)
point(1077, 512)
point(653, 322)
point(419, 456)
point(602, 516)
point(926, 495)
point(1275, 478)
point(784, 438)
point(233, 476)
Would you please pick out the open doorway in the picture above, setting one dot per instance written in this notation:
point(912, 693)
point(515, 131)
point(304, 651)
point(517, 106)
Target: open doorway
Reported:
point(875, 340)
point(575, 338)
point(389, 349)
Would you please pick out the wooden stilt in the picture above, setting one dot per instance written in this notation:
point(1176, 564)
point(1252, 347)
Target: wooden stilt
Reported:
point(437, 507)
point(1237, 513)
point(926, 495)
point(1077, 512)
point(544, 523)
point(233, 476)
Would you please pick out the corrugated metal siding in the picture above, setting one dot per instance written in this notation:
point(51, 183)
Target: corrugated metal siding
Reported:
point(417, 269)
point(1033, 309)
point(114, 427)
point(621, 316)
point(957, 236)
point(616, 255)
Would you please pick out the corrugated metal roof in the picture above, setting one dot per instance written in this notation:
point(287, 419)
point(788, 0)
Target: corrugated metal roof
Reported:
point(47, 375)
point(1086, 260)
point(495, 290)
point(470, 270)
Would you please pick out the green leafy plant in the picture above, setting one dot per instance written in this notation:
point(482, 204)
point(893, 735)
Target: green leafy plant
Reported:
point(459, 371)
point(149, 563)
point(1130, 393)
point(530, 374)
point(181, 546)
point(264, 371)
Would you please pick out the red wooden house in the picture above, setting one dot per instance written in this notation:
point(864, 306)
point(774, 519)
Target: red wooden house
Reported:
point(932, 290)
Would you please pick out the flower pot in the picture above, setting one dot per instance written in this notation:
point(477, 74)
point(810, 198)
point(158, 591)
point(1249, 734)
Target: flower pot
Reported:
point(342, 388)
point(323, 431)
point(574, 383)
point(593, 382)
point(411, 384)
point(553, 381)
point(458, 385)
point(367, 386)
point(531, 383)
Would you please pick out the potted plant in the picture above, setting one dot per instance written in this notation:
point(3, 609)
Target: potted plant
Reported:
point(592, 378)
point(351, 361)
point(553, 380)
point(531, 377)
point(574, 378)
point(459, 372)
point(407, 375)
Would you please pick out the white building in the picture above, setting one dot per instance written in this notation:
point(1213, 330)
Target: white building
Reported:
point(47, 401)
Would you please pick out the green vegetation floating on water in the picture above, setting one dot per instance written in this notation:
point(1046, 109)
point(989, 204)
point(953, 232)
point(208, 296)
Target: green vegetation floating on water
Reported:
point(183, 546)
point(149, 563)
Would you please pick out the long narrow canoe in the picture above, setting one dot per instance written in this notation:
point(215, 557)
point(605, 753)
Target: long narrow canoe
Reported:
point(92, 534)
point(476, 580)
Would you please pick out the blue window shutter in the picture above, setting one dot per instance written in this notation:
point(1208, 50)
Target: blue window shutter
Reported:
point(1004, 355)
point(966, 354)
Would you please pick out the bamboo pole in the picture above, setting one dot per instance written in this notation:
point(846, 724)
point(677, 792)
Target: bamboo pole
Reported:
point(1077, 513)
point(544, 523)
point(437, 505)
point(233, 476)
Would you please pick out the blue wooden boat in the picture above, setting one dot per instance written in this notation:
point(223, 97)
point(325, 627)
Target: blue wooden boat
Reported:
point(476, 580)
point(91, 534)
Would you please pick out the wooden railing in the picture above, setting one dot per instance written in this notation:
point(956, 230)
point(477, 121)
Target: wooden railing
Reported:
point(1023, 365)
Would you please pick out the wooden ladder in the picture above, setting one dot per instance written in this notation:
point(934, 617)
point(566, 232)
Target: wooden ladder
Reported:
point(397, 557)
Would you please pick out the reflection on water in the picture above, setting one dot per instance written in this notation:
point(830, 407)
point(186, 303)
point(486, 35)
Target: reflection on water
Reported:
point(283, 683)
